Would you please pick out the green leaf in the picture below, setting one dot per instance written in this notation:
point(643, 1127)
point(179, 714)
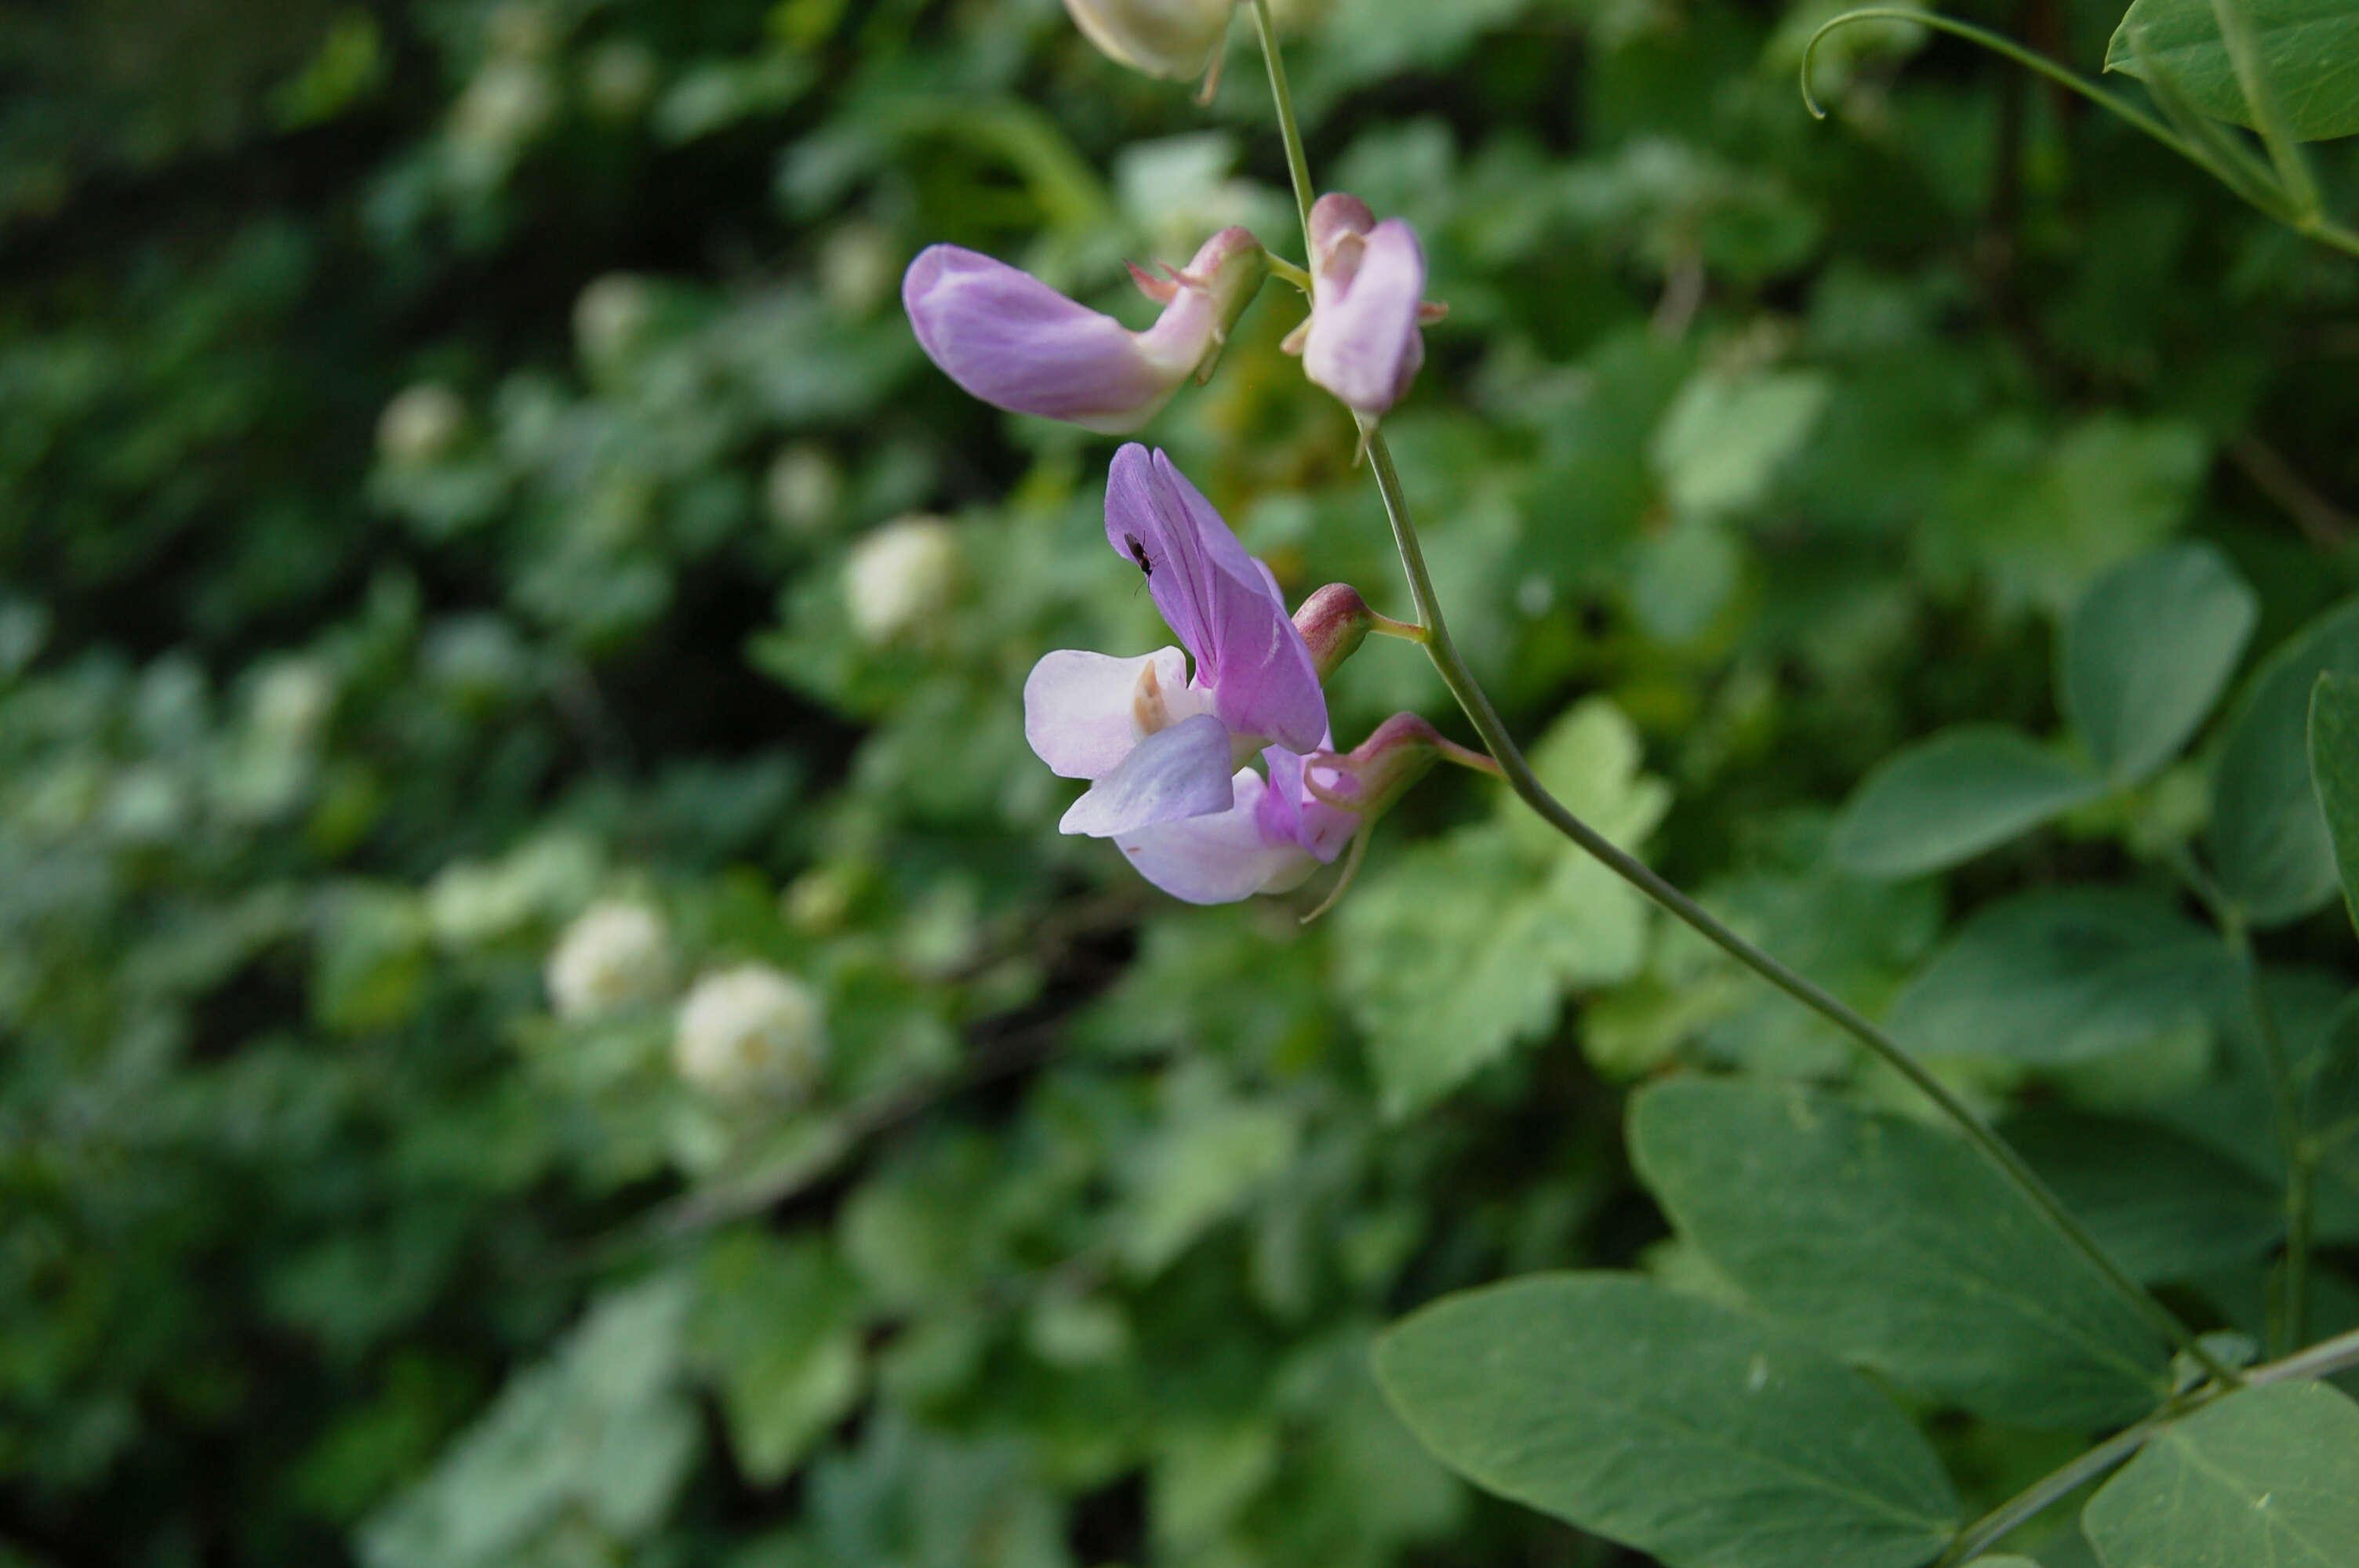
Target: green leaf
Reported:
point(2162, 1206)
point(2268, 1476)
point(776, 1325)
point(2307, 49)
point(2268, 842)
point(1445, 983)
point(2146, 653)
point(2334, 773)
point(2041, 515)
point(2052, 977)
point(597, 1438)
point(1667, 1424)
point(1894, 1245)
point(1213, 1150)
point(1724, 437)
point(1589, 759)
point(1949, 798)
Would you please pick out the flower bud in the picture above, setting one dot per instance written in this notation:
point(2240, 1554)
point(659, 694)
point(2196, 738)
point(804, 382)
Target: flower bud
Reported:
point(1174, 38)
point(614, 955)
point(1334, 622)
point(900, 576)
point(1362, 341)
point(750, 1030)
point(1371, 775)
point(1016, 343)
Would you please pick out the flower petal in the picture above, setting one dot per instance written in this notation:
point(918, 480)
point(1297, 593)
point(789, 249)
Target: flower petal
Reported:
point(1220, 858)
point(1364, 344)
point(1080, 707)
point(1290, 811)
point(1014, 342)
point(1221, 603)
point(1177, 773)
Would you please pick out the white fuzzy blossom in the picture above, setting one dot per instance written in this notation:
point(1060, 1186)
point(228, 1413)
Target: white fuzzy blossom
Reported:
point(614, 955)
point(802, 489)
point(419, 425)
point(611, 317)
point(899, 577)
point(292, 700)
point(750, 1030)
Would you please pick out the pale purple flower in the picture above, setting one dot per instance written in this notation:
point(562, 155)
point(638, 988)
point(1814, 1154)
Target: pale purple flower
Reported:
point(1278, 830)
point(1014, 342)
point(1274, 834)
point(1161, 743)
point(1362, 341)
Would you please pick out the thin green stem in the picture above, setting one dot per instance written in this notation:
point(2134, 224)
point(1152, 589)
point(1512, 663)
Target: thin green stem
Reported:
point(2268, 117)
point(2219, 163)
point(1459, 680)
point(1287, 272)
point(2320, 1360)
point(1988, 1531)
point(1463, 684)
point(2291, 1321)
point(1999, 44)
point(1298, 162)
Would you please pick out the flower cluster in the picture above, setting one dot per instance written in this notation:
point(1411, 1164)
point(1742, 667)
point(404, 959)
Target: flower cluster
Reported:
point(1167, 740)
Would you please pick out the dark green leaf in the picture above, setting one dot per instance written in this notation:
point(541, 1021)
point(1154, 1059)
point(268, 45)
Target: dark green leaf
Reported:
point(2308, 56)
point(2334, 773)
point(2268, 841)
point(1894, 1245)
point(1950, 797)
point(1667, 1424)
point(2051, 977)
point(2269, 1475)
point(2163, 1206)
point(2146, 653)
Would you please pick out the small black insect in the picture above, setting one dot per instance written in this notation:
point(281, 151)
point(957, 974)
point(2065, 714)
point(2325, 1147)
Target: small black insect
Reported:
point(1138, 553)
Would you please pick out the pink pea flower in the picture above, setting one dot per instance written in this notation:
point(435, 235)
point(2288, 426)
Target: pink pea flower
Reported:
point(1367, 302)
point(1165, 748)
point(1016, 343)
point(1278, 830)
point(1158, 743)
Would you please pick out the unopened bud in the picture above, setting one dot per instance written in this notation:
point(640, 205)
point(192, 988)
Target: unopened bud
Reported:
point(1362, 341)
point(1014, 342)
point(1334, 622)
point(1378, 771)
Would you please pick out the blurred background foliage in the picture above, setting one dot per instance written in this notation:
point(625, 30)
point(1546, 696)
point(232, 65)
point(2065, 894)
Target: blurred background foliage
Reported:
point(443, 452)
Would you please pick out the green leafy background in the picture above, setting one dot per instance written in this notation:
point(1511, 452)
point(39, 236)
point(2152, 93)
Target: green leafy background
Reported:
point(432, 439)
